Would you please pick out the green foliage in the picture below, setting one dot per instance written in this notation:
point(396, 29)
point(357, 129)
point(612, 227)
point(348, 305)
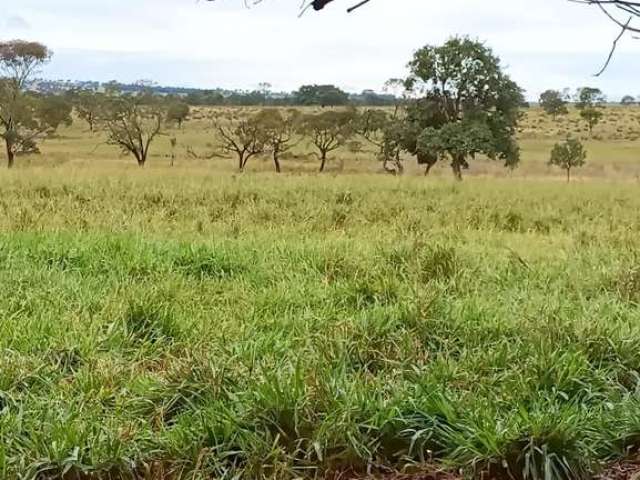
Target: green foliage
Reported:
point(386, 132)
point(178, 112)
point(321, 95)
point(23, 118)
point(568, 155)
point(553, 103)
point(328, 130)
point(132, 125)
point(592, 116)
point(88, 106)
point(587, 97)
point(246, 138)
point(279, 129)
point(628, 100)
point(19, 60)
point(462, 82)
point(55, 110)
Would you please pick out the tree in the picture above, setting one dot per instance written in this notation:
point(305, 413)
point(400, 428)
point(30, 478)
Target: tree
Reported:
point(328, 131)
point(592, 116)
point(279, 130)
point(322, 95)
point(19, 60)
point(21, 123)
point(246, 138)
point(589, 100)
point(265, 89)
point(88, 105)
point(55, 110)
point(178, 112)
point(20, 114)
point(173, 143)
point(589, 97)
point(466, 105)
point(132, 126)
point(628, 100)
point(384, 131)
point(553, 103)
point(568, 155)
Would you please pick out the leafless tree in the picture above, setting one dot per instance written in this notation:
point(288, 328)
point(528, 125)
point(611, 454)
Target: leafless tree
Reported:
point(622, 13)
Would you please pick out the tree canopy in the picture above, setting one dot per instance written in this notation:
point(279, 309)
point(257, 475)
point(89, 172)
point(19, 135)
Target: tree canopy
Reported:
point(465, 105)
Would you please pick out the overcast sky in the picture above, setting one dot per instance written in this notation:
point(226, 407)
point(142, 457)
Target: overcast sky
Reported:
point(543, 43)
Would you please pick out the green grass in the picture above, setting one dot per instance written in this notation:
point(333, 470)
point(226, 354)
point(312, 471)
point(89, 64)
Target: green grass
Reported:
point(192, 323)
point(180, 325)
point(612, 152)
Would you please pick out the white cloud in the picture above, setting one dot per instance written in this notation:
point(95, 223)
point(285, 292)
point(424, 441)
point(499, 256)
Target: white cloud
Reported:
point(544, 43)
point(16, 23)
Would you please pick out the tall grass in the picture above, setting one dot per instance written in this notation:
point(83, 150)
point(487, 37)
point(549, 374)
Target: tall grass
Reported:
point(164, 325)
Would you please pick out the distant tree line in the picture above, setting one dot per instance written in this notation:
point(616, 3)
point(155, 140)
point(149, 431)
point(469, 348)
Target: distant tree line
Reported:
point(456, 104)
point(321, 95)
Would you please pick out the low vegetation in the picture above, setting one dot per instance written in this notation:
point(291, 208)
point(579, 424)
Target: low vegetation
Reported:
point(291, 327)
point(193, 321)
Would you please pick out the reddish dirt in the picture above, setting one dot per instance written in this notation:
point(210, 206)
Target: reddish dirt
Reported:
point(623, 470)
point(424, 473)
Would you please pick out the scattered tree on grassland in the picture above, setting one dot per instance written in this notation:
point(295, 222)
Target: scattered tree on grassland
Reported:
point(328, 131)
point(628, 100)
point(21, 120)
point(173, 143)
point(55, 110)
point(178, 112)
point(384, 131)
point(88, 105)
point(466, 105)
point(245, 138)
point(568, 155)
point(132, 126)
point(589, 102)
point(279, 129)
point(553, 103)
point(321, 95)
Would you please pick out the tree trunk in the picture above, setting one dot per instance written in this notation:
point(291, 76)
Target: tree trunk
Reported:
point(241, 162)
point(428, 169)
point(456, 165)
point(276, 162)
point(568, 175)
point(10, 154)
point(246, 160)
point(390, 170)
point(141, 157)
point(323, 161)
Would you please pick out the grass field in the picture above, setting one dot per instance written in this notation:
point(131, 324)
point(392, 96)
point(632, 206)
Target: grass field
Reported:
point(190, 323)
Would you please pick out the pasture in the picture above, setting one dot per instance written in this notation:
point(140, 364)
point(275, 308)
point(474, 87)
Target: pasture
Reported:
point(188, 322)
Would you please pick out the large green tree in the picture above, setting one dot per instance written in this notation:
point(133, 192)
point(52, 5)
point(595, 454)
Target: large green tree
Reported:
point(22, 117)
point(553, 103)
point(321, 95)
point(465, 105)
point(589, 101)
point(55, 110)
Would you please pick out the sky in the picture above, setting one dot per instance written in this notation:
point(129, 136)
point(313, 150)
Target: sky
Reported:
point(195, 43)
